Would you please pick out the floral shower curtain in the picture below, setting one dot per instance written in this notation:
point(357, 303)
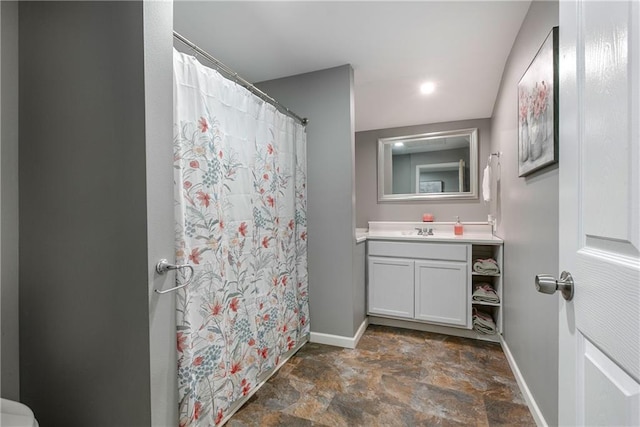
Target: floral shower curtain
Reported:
point(240, 204)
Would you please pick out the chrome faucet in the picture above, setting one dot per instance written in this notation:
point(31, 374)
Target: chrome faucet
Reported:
point(424, 231)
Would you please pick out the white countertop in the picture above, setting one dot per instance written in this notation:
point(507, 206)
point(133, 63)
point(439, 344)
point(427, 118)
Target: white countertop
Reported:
point(478, 238)
point(361, 234)
point(476, 233)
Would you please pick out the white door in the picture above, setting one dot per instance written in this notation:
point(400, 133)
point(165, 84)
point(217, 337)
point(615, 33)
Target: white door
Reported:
point(599, 367)
point(390, 287)
point(442, 293)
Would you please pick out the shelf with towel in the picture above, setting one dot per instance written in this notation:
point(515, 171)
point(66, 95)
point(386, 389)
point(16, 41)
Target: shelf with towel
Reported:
point(486, 290)
point(484, 321)
point(490, 304)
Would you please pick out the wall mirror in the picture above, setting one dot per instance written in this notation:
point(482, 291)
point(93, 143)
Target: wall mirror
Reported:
point(430, 166)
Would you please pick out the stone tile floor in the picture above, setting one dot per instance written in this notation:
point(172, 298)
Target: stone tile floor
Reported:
point(396, 377)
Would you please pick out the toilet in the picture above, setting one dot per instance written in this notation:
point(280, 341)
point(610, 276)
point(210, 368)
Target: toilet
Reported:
point(15, 414)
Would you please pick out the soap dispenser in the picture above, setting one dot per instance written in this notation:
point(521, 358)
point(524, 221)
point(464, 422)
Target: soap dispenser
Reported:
point(457, 227)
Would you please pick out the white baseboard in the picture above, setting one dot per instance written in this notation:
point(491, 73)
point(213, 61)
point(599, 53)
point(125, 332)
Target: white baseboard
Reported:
point(524, 389)
point(338, 340)
point(360, 331)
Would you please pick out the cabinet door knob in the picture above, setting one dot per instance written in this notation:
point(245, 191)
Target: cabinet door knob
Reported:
point(547, 284)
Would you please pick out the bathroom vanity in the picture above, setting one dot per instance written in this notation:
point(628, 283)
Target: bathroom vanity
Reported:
point(426, 280)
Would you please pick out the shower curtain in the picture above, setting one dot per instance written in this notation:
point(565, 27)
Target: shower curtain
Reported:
point(240, 205)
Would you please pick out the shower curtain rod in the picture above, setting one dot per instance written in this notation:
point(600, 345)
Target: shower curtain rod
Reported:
point(229, 72)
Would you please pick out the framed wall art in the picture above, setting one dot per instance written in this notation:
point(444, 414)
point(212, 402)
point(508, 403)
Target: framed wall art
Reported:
point(538, 109)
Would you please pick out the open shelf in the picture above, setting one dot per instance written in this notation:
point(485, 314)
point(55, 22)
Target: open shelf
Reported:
point(484, 251)
point(473, 273)
point(490, 304)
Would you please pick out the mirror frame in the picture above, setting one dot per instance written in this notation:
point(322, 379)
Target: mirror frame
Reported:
point(407, 197)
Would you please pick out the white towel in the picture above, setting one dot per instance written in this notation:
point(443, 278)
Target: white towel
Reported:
point(484, 292)
point(487, 266)
point(486, 184)
point(483, 323)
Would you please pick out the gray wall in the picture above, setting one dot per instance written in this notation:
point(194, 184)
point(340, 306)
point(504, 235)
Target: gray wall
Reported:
point(84, 304)
point(527, 214)
point(158, 89)
point(326, 98)
point(9, 168)
point(369, 209)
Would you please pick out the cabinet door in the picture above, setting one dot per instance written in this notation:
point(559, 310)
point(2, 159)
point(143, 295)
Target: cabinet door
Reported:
point(442, 292)
point(391, 287)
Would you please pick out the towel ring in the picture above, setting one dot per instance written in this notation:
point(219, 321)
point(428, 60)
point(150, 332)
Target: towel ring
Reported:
point(163, 266)
point(492, 155)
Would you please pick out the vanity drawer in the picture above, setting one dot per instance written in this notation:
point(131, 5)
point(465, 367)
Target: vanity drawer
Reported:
point(443, 251)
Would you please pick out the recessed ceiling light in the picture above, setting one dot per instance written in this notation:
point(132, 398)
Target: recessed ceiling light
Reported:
point(427, 88)
point(398, 144)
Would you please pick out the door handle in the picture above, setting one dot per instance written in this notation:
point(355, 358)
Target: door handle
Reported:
point(547, 284)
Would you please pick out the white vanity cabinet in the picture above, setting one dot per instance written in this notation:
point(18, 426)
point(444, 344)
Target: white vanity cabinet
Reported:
point(420, 281)
point(391, 286)
point(441, 292)
point(427, 282)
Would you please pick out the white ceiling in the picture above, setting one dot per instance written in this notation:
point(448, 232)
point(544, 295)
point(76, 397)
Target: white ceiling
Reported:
point(393, 47)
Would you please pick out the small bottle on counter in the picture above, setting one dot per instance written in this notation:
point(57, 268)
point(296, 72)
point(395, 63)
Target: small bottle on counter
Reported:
point(457, 227)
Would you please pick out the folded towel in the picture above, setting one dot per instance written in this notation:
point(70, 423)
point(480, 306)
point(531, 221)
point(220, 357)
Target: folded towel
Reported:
point(486, 184)
point(483, 322)
point(486, 266)
point(484, 292)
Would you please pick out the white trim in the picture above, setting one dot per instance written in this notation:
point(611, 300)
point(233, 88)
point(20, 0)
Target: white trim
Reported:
point(360, 331)
point(338, 340)
point(524, 389)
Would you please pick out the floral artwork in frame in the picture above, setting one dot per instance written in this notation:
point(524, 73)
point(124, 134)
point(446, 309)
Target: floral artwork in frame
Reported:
point(538, 109)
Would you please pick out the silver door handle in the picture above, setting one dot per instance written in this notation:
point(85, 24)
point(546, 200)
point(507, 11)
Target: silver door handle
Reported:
point(547, 284)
